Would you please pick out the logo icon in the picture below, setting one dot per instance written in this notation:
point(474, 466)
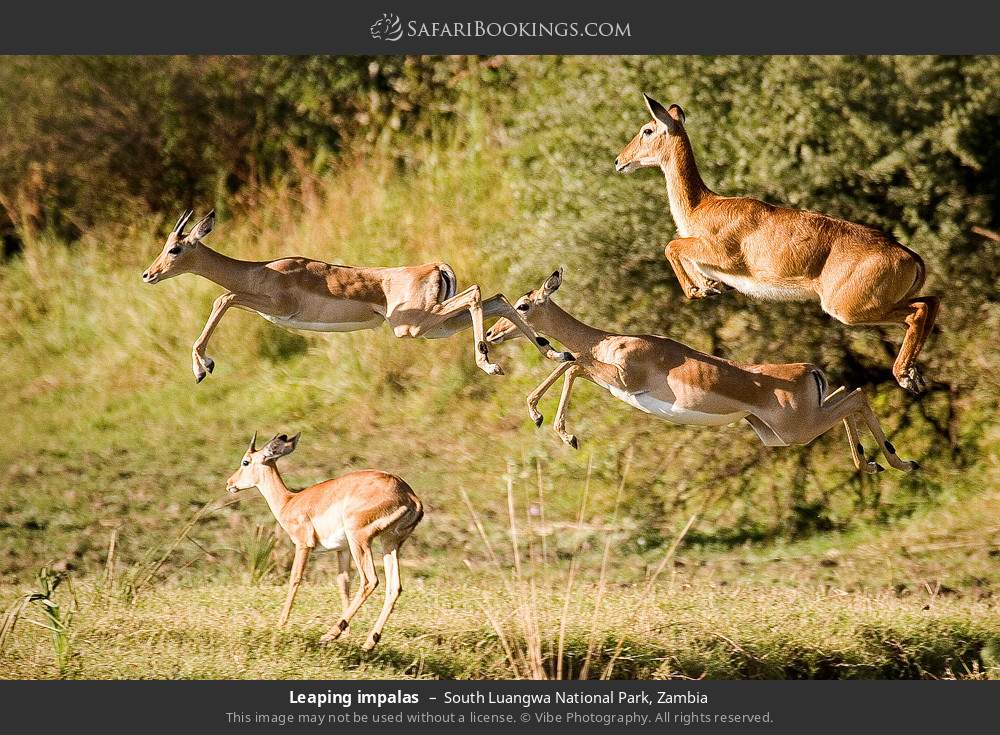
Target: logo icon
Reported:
point(387, 28)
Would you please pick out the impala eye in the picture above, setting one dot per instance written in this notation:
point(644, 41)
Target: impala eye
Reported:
point(647, 131)
point(175, 250)
point(246, 462)
point(522, 307)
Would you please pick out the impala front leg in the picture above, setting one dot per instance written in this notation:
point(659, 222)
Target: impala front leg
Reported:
point(201, 364)
point(538, 392)
point(680, 253)
point(559, 423)
point(294, 580)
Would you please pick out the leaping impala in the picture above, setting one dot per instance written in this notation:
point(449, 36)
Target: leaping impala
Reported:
point(343, 515)
point(784, 403)
point(301, 293)
point(859, 274)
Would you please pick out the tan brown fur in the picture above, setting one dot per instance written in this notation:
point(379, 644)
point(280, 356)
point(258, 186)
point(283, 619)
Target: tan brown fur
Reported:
point(301, 293)
point(859, 275)
point(349, 511)
point(784, 403)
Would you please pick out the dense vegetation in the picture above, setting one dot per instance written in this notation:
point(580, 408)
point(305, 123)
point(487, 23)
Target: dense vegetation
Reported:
point(503, 168)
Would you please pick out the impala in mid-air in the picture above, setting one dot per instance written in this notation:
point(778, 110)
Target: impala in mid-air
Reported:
point(858, 274)
point(784, 403)
point(301, 293)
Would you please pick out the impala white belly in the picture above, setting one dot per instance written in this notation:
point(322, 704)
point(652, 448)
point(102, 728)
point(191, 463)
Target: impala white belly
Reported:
point(335, 539)
point(292, 323)
point(761, 290)
point(330, 531)
point(648, 403)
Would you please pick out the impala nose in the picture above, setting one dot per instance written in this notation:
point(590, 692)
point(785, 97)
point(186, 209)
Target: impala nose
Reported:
point(145, 276)
point(616, 161)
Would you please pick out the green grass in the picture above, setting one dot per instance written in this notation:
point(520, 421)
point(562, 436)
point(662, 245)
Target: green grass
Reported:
point(795, 566)
point(439, 631)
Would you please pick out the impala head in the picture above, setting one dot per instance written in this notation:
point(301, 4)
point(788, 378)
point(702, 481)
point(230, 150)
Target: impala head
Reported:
point(178, 252)
point(651, 145)
point(255, 461)
point(529, 306)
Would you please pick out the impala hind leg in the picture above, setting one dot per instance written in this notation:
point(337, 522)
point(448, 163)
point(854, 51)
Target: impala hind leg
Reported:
point(393, 588)
point(885, 445)
point(434, 323)
point(869, 466)
point(917, 315)
point(921, 312)
point(344, 581)
point(361, 552)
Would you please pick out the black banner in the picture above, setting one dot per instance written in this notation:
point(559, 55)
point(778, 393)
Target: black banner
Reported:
point(556, 707)
point(513, 27)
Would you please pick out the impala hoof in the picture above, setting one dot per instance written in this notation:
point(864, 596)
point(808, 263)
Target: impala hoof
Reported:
point(210, 364)
point(872, 467)
point(200, 376)
point(539, 420)
point(879, 468)
point(372, 641)
point(912, 381)
point(572, 441)
point(566, 357)
point(331, 635)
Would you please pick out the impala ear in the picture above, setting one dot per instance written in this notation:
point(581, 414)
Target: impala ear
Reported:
point(667, 118)
point(279, 446)
point(203, 228)
point(551, 285)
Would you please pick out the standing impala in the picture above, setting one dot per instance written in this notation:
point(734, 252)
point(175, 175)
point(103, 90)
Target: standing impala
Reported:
point(300, 293)
point(785, 403)
point(342, 515)
point(859, 275)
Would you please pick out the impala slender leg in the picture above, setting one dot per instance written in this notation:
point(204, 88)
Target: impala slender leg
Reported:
point(433, 323)
point(559, 421)
point(344, 579)
point(693, 250)
point(301, 556)
point(919, 321)
point(864, 464)
point(393, 588)
point(886, 446)
point(362, 554)
point(538, 392)
point(202, 365)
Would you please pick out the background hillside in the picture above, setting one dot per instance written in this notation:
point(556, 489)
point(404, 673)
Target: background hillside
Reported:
point(501, 167)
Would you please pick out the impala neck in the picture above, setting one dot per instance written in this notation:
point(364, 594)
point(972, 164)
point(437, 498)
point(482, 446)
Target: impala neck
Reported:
point(551, 320)
point(230, 273)
point(685, 188)
point(274, 490)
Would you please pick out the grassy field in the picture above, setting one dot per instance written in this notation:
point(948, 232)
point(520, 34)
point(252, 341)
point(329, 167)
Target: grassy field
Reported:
point(885, 577)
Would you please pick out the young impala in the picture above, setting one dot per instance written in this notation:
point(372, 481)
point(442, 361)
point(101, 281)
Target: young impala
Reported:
point(343, 515)
point(858, 274)
point(785, 403)
point(300, 293)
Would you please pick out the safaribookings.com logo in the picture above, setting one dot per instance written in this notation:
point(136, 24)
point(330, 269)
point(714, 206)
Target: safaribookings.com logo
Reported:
point(390, 28)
